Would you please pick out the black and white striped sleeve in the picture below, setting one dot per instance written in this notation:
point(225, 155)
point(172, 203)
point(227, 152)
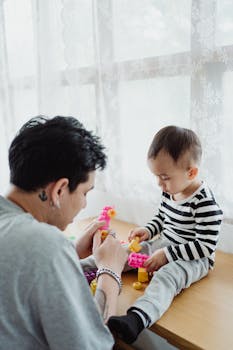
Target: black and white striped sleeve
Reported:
point(155, 226)
point(208, 218)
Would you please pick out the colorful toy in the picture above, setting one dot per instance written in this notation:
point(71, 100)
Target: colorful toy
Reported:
point(106, 215)
point(137, 285)
point(142, 275)
point(124, 242)
point(93, 286)
point(137, 260)
point(134, 245)
point(90, 275)
point(91, 279)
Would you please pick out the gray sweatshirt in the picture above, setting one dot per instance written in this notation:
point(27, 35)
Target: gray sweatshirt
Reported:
point(45, 300)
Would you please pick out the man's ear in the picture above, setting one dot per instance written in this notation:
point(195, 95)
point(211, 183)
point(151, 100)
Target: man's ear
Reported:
point(192, 173)
point(57, 191)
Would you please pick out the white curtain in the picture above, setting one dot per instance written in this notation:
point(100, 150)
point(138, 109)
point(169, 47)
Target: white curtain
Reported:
point(125, 68)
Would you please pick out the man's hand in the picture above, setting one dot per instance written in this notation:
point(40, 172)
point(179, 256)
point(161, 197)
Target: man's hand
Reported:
point(155, 261)
point(85, 242)
point(109, 253)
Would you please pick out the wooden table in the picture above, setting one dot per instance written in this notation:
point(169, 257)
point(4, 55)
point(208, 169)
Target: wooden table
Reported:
point(200, 317)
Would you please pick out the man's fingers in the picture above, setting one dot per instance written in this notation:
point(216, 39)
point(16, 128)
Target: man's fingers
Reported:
point(96, 240)
point(93, 226)
point(97, 224)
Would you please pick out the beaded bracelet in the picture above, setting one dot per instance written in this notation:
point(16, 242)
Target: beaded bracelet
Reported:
point(112, 274)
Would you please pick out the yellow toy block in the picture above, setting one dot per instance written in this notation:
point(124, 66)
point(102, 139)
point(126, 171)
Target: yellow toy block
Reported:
point(93, 286)
point(134, 245)
point(104, 234)
point(112, 213)
point(137, 285)
point(142, 275)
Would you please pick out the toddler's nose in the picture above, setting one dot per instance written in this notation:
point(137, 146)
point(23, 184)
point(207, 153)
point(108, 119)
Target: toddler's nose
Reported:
point(160, 183)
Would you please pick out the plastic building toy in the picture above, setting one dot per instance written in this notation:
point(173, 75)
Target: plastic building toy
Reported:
point(142, 275)
point(93, 286)
point(72, 238)
point(123, 242)
point(137, 285)
point(91, 279)
point(134, 245)
point(106, 215)
point(90, 275)
point(137, 260)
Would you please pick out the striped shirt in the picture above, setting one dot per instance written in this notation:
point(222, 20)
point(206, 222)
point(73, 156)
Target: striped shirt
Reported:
point(191, 225)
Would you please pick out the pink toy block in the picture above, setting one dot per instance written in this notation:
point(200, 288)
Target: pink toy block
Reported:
point(106, 214)
point(137, 260)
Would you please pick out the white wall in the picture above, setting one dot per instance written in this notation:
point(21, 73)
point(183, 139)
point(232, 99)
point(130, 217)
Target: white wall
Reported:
point(125, 208)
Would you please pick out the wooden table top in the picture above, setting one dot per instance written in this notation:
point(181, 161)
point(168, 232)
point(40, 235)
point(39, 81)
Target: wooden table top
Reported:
point(200, 317)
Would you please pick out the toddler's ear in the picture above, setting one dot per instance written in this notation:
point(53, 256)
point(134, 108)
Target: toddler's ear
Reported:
point(192, 173)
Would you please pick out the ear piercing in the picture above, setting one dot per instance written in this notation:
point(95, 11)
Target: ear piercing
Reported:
point(57, 204)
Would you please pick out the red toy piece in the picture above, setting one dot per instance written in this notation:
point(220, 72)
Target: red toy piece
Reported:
point(137, 260)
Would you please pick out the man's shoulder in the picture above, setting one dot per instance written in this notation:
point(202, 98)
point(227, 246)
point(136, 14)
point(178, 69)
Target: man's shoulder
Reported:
point(20, 231)
point(44, 238)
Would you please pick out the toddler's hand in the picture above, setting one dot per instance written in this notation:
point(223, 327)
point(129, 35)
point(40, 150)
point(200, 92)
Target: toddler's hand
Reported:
point(156, 260)
point(140, 232)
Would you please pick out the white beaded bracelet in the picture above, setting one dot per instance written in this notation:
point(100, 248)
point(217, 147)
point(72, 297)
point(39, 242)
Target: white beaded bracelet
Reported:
point(112, 274)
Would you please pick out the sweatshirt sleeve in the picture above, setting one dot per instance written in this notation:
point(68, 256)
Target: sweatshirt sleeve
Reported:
point(62, 300)
point(155, 226)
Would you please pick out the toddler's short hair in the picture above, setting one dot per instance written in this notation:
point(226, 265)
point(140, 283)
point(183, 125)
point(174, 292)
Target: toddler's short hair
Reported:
point(176, 142)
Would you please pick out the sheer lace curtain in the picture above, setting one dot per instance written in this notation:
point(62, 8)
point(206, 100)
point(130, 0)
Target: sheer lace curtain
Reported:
point(125, 68)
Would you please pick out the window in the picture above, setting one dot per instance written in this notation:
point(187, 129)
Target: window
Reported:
point(125, 69)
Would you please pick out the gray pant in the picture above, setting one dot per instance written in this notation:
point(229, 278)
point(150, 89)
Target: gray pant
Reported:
point(168, 281)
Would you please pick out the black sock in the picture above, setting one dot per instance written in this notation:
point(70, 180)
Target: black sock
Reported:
point(126, 327)
point(145, 318)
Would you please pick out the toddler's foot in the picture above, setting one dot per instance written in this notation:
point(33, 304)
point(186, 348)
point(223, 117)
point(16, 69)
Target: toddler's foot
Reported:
point(126, 327)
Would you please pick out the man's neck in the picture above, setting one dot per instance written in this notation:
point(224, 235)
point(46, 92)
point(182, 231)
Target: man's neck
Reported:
point(29, 202)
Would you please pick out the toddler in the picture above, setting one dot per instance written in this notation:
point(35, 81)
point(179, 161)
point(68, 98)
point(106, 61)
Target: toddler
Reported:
point(186, 227)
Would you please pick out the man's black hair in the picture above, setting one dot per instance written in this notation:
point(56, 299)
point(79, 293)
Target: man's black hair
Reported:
point(176, 141)
point(45, 150)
